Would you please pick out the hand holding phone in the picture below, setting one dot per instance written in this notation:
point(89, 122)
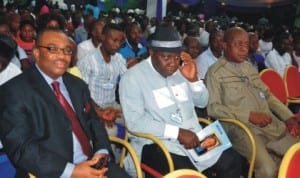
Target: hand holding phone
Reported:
point(102, 162)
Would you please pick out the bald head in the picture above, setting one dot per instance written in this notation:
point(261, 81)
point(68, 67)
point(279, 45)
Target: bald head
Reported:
point(231, 33)
point(236, 44)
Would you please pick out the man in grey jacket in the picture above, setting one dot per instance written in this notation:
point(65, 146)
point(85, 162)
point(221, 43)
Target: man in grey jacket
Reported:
point(237, 92)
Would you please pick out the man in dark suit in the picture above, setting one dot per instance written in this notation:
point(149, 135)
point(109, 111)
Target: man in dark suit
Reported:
point(35, 128)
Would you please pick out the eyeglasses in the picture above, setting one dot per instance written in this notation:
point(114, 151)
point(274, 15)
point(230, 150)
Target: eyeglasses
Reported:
point(55, 50)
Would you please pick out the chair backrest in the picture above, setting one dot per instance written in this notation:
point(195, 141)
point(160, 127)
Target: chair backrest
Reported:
point(185, 173)
point(275, 83)
point(290, 164)
point(292, 81)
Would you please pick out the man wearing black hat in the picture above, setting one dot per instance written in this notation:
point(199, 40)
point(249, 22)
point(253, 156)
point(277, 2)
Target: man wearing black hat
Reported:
point(158, 97)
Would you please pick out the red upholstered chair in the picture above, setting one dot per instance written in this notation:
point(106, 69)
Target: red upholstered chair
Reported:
point(275, 83)
point(292, 84)
point(290, 164)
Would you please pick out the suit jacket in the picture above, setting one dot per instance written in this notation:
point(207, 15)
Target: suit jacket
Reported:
point(34, 129)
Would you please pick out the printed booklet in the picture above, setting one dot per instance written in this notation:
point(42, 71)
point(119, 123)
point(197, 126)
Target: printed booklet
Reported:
point(213, 141)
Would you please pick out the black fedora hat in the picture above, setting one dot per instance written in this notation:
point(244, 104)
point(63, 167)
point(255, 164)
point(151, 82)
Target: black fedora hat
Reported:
point(165, 39)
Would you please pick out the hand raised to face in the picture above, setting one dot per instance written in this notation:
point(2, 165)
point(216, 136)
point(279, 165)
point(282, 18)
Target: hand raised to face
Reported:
point(188, 67)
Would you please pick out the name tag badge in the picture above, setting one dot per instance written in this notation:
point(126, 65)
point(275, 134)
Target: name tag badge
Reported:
point(108, 86)
point(176, 118)
point(262, 95)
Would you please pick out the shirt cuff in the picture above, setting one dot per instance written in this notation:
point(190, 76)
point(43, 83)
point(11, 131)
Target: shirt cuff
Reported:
point(102, 151)
point(68, 170)
point(197, 86)
point(171, 131)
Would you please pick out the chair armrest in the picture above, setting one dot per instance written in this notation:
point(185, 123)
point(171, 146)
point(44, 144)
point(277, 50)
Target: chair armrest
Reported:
point(158, 142)
point(293, 100)
point(188, 173)
point(131, 152)
point(249, 134)
point(206, 121)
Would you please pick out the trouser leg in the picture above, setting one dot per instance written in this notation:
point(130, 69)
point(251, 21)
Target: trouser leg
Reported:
point(228, 165)
point(154, 157)
point(265, 166)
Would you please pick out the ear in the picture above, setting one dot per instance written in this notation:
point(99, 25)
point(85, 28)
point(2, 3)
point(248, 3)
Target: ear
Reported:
point(151, 52)
point(36, 54)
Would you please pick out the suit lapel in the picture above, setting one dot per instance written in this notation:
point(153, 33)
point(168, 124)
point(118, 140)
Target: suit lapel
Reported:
point(42, 87)
point(74, 93)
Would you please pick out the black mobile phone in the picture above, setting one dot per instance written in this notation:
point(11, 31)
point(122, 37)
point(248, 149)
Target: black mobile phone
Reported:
point(100, 164)
point(181, 61)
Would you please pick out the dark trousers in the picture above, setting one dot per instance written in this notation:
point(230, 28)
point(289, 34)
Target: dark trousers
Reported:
point(228, 165)
point(114, 171)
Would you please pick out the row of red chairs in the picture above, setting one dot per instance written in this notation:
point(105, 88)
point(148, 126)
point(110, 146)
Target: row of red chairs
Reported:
point(286, 89)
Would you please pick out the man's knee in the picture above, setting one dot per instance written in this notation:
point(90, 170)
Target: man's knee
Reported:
point(229, 164)
point(265, 166)
point(234, 160)
point(266, 170)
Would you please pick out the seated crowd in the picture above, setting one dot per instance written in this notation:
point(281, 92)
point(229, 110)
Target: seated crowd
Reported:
point(86, 80)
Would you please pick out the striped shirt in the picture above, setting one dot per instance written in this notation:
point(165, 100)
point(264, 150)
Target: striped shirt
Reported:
point(100, 76)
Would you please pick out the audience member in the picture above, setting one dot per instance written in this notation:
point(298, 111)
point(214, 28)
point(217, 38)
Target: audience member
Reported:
point(255, 58)
point(8, 48)
point(73, 69)
point(236, 91)
point(265, 43)
point(211, 54)
point(14, 21)
point(94, 41)
point(52, 132)
point(296, 52)
point(26, 38)
point(279, 58)
point(101, 70)
point(158, 97)
point(193, 46)
point(132, 50)
point(20, 58)
point(81, 32)
point(50, 20)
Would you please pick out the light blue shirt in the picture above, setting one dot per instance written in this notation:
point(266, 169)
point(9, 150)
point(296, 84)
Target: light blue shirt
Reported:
point(160, 106)
point(204, 61)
